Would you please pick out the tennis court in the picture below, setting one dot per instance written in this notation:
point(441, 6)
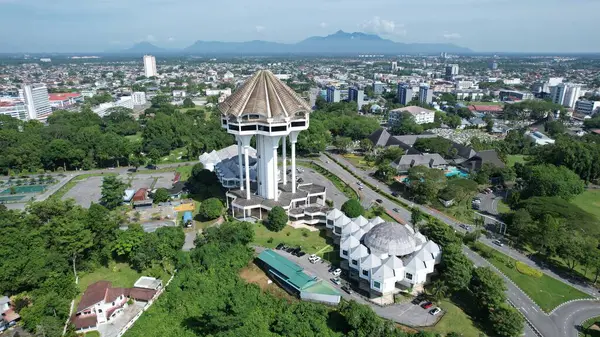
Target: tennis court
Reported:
point(11, 198)
point(25, 189)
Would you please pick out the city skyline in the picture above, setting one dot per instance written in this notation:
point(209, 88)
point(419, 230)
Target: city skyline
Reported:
point(483, 26)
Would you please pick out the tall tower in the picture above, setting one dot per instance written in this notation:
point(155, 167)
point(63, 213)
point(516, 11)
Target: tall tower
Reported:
point(425, 94)
point(150, 66)
point(405, 93)
point(37, 101)
point(271, 112)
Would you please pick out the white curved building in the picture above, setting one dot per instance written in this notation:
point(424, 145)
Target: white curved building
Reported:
point(382, 256)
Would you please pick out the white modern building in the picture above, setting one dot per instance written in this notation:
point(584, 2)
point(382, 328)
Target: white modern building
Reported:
point(334, 95)
point(451, 71)
point(565, 94)
point(271, 112)
point(139, 98)
point(150, 66)
point(425, 94)
point(587, 107)
point(421, 115)
point(16, 110)
point(218, 92)
point(102, 109)
point(382, 256)
point(37, 101)
point(225, 164)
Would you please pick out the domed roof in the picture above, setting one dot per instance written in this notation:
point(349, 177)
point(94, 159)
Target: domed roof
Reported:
point(390, 238)
point(266, 96)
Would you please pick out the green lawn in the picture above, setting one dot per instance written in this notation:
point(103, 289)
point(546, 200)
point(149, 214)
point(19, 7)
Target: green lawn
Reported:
point(587, 324)
point(120, 274)
point(503, 207)
point(358, 161)
point(176, 155)
point(454, 320)
point(92, 334)
point(185, 171)
point(311, 242)
point(370, 214)
point(546, 291)
point(512, 159)
point(589, 201)
point(335, 180)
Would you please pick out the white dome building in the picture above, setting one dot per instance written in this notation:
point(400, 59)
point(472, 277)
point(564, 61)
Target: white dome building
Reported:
point(383, 254)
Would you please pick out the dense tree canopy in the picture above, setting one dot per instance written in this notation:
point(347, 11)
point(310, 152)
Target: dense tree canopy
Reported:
point(549, 181)
point(425, 183)
point(211, 208)
point(352, 208)
point(277, 219)
point(113, 190)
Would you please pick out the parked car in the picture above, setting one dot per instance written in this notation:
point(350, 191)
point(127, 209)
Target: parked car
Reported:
point(315, 259)
point(396, 210)
point(417, 300)
point(498, 243)
point(435, 311)
point(426, 305)
point(337, 272)
point(336, 280)
point(347, 289)
point(280, 246)
point(395, 194)
point(301, 254)
point(465, 226)
point(358, 183)
point(360, 188)
point(379, 201)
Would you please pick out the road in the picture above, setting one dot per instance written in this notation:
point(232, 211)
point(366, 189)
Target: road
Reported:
point(548, 326)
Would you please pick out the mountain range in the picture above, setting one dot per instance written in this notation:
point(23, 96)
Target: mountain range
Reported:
point(339, 43)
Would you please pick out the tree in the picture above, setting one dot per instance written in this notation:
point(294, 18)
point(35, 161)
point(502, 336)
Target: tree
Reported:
point(154, 156)
point(406, 125)
point(425, 183)
point(315, 139)
point(389, 154)
point(549, 181)
point(210, 208)
point(555, 128)
point(277, 219)
point(507, 321)
point(188, 103)
point(161, 195)
point(366, 145)
point(488, 288)
point(343, 144)
point(456, 267)
point(434, 145)
point(128, 241)
point(385, 172)
point(70, 237)
point(416, 216)
point(113, 191)
point(352, 208)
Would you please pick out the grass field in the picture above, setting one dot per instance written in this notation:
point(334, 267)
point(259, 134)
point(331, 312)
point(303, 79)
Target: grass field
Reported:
point(512, 159)
point(358, 161)
point(135, 138)
point(311, 242)
point(546, 291)
point(120, 274)
point(586, 331)
point(185, 171)
point(589, 201)
point(503, 207)
point(176, 155)
point(454, 320)
point(370, 214)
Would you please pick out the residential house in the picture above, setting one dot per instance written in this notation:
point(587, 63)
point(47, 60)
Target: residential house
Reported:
point(476, 162)
point(8, 314)
point(430, 160)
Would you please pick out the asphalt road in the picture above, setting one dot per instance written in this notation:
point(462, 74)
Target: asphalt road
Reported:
point(565, 320)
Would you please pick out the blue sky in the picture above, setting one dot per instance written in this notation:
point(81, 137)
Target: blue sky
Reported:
point(482, 25)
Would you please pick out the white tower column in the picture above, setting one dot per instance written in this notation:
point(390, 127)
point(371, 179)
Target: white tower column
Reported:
point(239, 142)
point(267, 161)
point(284, 160)
point(293, 140)
point(246, 143)
point(276, 180)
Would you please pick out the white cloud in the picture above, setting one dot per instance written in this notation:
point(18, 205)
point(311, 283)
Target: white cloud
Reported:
point(259, 29)
point(381, 26)
point(323, 25)
point(171, 39)
point(451, 36)
point(150, 38)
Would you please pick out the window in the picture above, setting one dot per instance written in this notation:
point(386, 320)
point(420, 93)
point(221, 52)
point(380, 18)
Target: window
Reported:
point(376, 284)
point(344, 252)
point(365, 272)
point(409, 276)
point(354, 262)
point(330, 222)
point(113, 304)
point(100, 310)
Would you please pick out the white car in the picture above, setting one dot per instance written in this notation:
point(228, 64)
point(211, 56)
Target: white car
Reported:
point(337, 272)
point(435, 311)
point(316, 259)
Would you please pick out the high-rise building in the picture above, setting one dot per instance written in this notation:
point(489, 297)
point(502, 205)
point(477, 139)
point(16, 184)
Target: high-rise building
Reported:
point(139, 98)
point(405, 93)
point(394, 66)
point(377, 87)
point(451, 71)
point(333, 95)
point(16, 110)
point(150, 66)
point(493, 65)
point(425, 94)
point(565, 94)
point(356, 95)
point(37, 101)
point(587, 107)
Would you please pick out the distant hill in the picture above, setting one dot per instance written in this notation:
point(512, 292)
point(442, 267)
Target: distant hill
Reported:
point(339, 43)
point(145, 48)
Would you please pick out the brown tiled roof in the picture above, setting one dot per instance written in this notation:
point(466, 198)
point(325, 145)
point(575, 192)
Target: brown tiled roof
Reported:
point(141, 294)
point(264, 94)
point(84, 322)
point(10, 315)
point(94, 293)
point(113, 293)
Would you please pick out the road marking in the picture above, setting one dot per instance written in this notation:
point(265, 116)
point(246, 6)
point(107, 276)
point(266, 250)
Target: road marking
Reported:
point(524, 310)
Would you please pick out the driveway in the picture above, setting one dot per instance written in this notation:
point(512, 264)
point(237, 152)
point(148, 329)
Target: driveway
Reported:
point(113, 328)
point(404, 313)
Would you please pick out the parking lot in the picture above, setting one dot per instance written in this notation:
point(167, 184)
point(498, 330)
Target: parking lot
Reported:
point(405, 313)
point(89, 190)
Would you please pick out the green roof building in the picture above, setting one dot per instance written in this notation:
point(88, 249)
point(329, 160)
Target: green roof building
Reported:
point(294, 280)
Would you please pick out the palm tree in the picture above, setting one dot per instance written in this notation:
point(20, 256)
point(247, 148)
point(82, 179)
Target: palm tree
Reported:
point(439, 288)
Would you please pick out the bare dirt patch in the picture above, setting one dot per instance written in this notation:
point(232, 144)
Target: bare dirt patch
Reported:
point(253, 274)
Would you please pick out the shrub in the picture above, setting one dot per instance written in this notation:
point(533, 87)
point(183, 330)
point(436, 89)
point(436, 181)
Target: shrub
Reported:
point(305, 233)
point(527, 270)
point(352, 208)
point(210, 208)
point(277, 219)
point(270, 240)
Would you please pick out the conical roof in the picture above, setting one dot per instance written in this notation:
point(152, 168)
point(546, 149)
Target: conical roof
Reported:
point(264, 95)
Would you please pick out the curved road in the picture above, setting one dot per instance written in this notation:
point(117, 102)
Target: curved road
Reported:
point(561, 323)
